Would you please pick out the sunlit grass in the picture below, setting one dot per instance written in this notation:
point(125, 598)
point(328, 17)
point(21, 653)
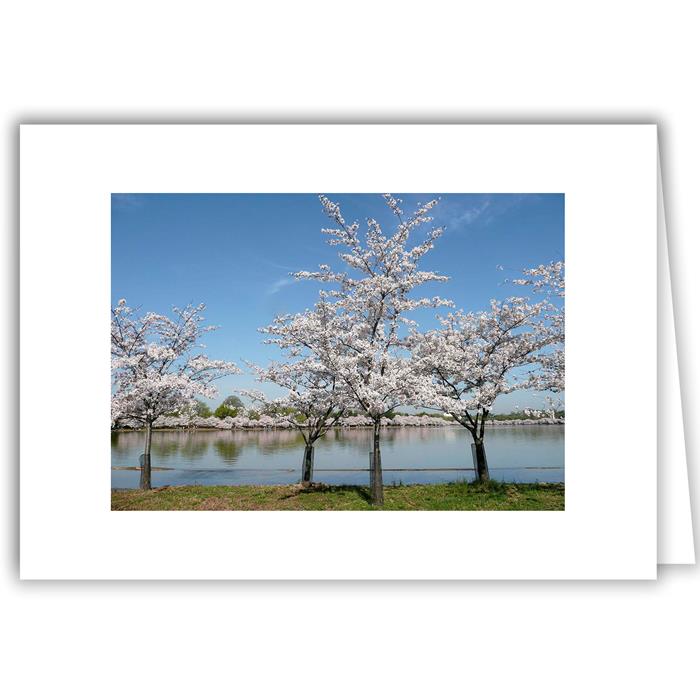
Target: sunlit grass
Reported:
point(459, 495)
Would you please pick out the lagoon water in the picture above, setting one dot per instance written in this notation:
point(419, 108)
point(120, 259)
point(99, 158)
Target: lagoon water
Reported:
point(514, 453)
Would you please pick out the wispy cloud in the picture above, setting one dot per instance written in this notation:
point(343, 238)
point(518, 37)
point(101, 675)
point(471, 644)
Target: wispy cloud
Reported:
point(279, 284)
point(508, 202)
point(458, 215)
point(464, 217)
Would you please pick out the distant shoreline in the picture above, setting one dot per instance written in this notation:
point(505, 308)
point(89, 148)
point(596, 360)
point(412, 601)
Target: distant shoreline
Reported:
point(556, 422)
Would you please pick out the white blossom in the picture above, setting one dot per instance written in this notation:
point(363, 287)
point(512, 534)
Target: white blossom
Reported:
point(549, 280)
point(476, 357)
point(156, 364)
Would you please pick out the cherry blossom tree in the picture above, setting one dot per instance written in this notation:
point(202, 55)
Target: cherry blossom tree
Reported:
point(475, 357)
point(316, 399)
point(313, 403)
point(158, 369)
point(369, 357)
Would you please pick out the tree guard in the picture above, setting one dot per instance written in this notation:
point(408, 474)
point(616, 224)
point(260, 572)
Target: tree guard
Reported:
point(307, 465)
point(481, 465)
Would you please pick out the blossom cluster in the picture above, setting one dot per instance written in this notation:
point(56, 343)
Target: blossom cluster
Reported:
point(549, 280)
point(475, 357)
point(157, 363)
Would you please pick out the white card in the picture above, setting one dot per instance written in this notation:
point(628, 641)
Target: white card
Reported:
point(608, 529)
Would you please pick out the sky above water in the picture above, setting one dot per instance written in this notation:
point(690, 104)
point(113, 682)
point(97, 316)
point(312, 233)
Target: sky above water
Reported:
point(235, 253)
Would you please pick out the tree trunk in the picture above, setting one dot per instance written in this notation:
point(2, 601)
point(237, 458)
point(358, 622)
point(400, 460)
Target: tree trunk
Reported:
point(482, 466)
point(307, 466)
point(145, 482)
point(376, 486)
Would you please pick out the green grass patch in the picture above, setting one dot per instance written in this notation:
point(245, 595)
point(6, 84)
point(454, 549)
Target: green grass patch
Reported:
point(458, 495)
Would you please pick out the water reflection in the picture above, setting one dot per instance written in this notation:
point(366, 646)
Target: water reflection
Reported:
point(515, 453)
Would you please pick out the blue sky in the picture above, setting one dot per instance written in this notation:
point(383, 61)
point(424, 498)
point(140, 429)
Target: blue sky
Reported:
point(234, 252)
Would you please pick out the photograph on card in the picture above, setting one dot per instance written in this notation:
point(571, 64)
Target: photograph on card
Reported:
point(342, 351)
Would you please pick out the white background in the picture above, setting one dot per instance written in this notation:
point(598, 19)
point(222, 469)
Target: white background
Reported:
point(532, 61)
point(67, 173)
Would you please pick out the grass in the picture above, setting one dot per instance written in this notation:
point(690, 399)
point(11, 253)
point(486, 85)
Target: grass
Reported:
point(459, 495)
